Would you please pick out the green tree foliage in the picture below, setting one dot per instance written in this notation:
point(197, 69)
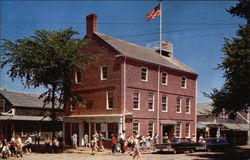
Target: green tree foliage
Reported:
point(47, 59)
point(235, 94)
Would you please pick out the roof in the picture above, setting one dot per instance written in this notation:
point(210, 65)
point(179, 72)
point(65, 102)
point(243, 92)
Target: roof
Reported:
point(18, 99)
point(134, 51)
point(204, 108)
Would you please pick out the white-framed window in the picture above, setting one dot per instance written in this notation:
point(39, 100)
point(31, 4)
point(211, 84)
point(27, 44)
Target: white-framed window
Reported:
point(178, 105)
point(144, 74)
point(164, 78)
point(151, 128)
point(104, 73)
point(183, 82)
point(188, 105)
point(164, 103)
point(72, 107)
point(109, 100)
point(187, 130)
point(2, 105)
point(136, 126)
point(136, 100)
point(151, 101)
point(78, 77)
point(178, 130)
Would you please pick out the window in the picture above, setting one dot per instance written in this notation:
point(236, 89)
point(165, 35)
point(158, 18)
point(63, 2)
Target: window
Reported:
point(72, 107)
point(144, 74)
point(164, 103)
point(151, 101)
point(178, 130)
point(136, 126)
point(164, 78)
point(188, 105)
point(2, 105)
point(78, 77)
point(178, 105)
point(136, 100)
point(109, 100)
point(151, 128)
point(183, 82)
point(104, 73)
point(187, 130)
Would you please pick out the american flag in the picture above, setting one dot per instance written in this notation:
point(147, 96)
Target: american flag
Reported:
point(153, 13)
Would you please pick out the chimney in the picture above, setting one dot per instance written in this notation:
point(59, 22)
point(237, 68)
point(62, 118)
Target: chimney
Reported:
point(91, 25)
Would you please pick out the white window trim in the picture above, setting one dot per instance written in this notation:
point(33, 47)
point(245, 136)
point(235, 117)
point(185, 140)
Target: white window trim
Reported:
point(180, 105)
point(136, 121)
point(76, 78)
point(153, 133)
point(101, 69)
point(188, 130)
point(185, 82)
point(146, 74)
point(165, 84)
point(153, 107)
point(139, 101)
point(107, 100)
point(189, 103)
point(180, 130)
point(166, 103)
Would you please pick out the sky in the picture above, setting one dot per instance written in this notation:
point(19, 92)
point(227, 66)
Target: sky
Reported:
point(196, 29)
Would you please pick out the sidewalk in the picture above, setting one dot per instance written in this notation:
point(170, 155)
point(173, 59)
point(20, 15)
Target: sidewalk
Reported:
point(80, 150)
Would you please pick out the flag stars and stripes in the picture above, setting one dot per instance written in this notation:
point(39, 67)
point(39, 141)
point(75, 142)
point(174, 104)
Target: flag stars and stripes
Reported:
point(153, 13)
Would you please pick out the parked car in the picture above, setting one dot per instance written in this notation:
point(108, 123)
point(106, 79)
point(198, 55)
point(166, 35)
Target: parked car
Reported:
point(177, 145)
point(214, 144)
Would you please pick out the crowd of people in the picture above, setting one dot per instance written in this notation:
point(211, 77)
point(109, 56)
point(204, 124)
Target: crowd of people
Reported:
point(16, 147)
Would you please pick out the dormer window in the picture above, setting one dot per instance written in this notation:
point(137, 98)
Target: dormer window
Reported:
point(144, 74)
point(183, 82)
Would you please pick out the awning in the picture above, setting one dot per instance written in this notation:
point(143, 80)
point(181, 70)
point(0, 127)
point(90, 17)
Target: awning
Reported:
point(201, 126)
point(168, 122)
point(25, 118)
point(234, 126)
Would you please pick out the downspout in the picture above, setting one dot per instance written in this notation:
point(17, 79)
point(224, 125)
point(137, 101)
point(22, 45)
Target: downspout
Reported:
point(124, 92)
point(158, 103)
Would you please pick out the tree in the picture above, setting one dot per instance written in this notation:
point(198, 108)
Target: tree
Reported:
point(47, 59)
point(235, 94)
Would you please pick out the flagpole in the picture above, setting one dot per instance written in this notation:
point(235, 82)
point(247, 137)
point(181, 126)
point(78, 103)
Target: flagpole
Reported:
point(160, 27)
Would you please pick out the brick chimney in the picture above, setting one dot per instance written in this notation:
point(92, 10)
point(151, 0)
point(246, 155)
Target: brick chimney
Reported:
point(91, 24)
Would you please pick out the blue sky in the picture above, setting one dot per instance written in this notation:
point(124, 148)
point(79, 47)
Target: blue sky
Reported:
point(196, 28)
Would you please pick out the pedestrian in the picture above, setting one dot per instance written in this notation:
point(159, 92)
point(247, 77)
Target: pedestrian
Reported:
point(37, 138)
point(148, 142)
point(201, 139)
point(137, 153)
point(13, 147)
point(193, 138)
point(5, 149)
point(60, 139)
point(113, 143)
point(101, 140)
point(19, 147)
point(122, 141)
point(28, 144)
point(86, 140)
point(47, 142)
point(130, 143)
point(74, 140)
point(93, 145)
point(55, 145)
point(165, 138)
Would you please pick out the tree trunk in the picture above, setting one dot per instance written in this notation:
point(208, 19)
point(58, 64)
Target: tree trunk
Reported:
point(53, 110)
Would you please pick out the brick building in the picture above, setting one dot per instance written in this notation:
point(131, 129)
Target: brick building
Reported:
point(127, 79)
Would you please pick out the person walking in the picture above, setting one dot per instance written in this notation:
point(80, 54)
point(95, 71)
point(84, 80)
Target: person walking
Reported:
point(101, 139)
point(122, 141)
point(74, 140)
point(37, 138)
point(137, 153)
point(93, 145)
point(113, 143)
point(28, 144)
point(19, 147)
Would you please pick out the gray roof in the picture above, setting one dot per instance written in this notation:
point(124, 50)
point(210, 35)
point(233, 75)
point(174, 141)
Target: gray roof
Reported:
point(18, 99)
point(204, 108)
point(144, 54)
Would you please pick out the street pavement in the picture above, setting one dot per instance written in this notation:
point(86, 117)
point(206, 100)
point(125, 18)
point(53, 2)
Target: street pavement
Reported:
point(77, 154)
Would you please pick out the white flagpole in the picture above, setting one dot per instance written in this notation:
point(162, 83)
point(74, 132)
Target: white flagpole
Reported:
point(160, 27)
